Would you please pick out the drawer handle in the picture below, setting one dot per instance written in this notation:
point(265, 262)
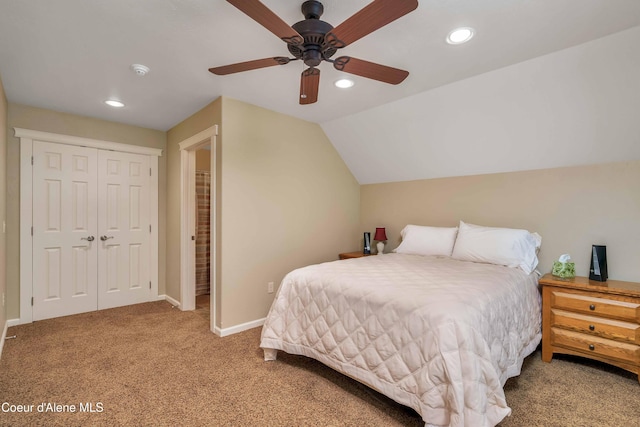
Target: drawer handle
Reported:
point(592, 307)
point(592, 328)
point(592, 347)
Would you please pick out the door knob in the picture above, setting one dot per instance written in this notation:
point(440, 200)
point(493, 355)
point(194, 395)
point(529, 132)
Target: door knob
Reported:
point(105, 238)
point(88, 239)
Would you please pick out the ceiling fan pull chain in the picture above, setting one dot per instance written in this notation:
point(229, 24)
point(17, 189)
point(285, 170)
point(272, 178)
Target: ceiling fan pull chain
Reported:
point(303, 86)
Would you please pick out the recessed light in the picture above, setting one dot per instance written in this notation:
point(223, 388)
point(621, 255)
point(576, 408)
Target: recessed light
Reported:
point(114, 103)
point(344, 83)
point(460, 35)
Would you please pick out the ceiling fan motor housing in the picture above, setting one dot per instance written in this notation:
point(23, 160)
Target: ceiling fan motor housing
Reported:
point(313, 50)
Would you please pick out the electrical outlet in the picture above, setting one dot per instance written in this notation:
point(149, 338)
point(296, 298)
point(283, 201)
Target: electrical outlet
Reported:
point(270, 287)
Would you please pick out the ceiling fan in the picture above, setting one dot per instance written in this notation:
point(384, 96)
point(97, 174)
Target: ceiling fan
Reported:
point(314, 41)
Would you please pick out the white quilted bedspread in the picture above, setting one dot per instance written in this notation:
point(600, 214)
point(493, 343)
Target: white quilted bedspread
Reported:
point(436, 334)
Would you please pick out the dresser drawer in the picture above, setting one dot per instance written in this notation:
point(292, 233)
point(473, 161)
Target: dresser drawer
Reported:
point(588, 344)
point(596, 306)
point(598, 326)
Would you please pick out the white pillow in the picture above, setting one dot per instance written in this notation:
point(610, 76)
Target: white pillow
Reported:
point(424, 240)
point(502, 246)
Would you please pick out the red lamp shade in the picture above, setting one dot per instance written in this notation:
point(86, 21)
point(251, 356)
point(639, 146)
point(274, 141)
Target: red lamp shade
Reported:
point(380, 234)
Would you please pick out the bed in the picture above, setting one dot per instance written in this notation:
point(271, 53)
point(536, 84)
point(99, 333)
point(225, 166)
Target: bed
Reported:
point(436, 333)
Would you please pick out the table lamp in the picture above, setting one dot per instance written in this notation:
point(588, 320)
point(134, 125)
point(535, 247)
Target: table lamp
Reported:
point(381, 237)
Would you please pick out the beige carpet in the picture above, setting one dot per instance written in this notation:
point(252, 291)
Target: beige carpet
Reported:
point(153, 365)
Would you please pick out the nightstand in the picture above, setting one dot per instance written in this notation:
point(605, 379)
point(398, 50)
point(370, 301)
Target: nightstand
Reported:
point(598, 320)
point(349, 255)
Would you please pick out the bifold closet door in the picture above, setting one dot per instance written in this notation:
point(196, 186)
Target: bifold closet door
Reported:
point(123, 222)
point(65, 243)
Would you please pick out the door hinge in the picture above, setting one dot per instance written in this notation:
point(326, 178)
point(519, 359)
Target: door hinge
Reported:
point(149, 284)
point(32, 230)
point(31, 159)
point(149, 171)
point(32, 301)
point(149, 228)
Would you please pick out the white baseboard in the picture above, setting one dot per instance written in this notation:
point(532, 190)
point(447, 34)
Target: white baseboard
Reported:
point(4, 337)
point(238, 328)
point(170, 300)
point(9, 323)
point(219, 331)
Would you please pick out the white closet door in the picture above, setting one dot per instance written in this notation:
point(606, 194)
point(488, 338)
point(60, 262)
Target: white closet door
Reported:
point(64, 222)
point(124, 227)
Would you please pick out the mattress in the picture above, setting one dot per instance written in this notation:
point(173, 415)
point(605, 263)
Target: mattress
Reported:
point(439, 335)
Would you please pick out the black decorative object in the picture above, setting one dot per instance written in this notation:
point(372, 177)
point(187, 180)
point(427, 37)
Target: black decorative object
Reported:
point(598, 270)
point(367, 243)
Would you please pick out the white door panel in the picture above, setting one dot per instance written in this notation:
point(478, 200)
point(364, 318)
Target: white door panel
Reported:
point(124, 218)
point(80, 193)
point(64, 219)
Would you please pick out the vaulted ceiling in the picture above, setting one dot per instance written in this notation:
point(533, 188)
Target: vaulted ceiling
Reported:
point(71, 55)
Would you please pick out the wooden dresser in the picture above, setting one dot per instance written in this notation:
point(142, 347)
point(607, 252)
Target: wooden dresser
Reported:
point(598, 320)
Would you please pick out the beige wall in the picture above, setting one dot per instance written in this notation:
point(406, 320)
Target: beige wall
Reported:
point(285, 199)
point(3, 207)
point(288, 200)
point(203, 119)
point(203, 160)
point(68, 124)
point(572, 208)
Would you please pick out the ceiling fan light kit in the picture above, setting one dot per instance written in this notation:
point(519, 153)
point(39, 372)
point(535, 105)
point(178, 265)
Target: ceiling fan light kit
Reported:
point(314, 41)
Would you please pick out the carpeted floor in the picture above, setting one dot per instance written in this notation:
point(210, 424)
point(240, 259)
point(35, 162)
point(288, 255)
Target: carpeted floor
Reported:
point(150, 364)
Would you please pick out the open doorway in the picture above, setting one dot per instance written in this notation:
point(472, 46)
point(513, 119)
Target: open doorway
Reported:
point(192, 266)
point(203, 230)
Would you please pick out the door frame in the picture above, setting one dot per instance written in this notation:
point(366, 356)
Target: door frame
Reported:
point(188, 149)
point(27, 137)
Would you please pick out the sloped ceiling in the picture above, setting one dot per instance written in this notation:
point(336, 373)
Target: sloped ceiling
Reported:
point(71, 55)
point(573, 107)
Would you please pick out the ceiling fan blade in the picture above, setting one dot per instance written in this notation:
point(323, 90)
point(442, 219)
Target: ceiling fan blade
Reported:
point(309, 83)
point(265, 17)
point(249, 65)
point(370, 70)
point(375, 15)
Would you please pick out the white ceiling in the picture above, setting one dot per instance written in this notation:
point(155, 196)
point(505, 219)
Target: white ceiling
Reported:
point(71, 55)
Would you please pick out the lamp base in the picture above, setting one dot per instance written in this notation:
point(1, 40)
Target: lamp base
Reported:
point(380, 246)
